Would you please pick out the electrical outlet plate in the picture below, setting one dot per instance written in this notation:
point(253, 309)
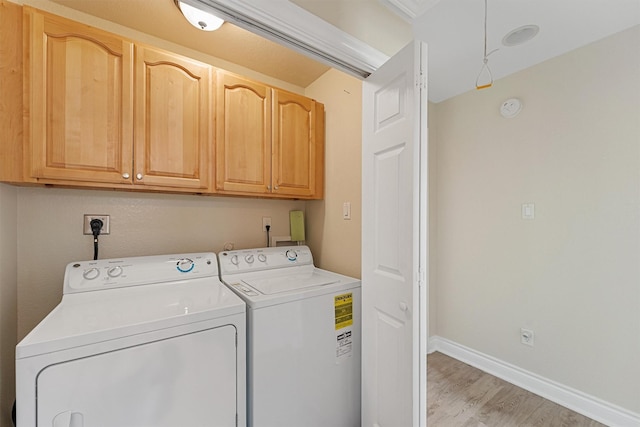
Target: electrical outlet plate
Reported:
point(266, 220)
point(526, 336)
point(87, 224)
point(346, 210)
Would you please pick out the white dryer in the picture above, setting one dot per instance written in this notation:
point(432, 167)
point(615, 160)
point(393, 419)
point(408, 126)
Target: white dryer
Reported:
point(303, 338)
point(146, 342)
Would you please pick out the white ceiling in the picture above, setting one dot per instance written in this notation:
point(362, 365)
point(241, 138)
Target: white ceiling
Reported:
point(454, 32)
point(452, 28)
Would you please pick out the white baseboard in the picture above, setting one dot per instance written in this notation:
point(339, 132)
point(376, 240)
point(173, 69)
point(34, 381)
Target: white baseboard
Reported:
point(568, 397)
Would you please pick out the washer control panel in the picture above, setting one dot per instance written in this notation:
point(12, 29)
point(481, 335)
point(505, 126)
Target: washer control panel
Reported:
point(84, 276)
point(246, 260)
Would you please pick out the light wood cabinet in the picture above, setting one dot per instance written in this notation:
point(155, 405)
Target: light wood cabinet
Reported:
point(269, 142)
point(83, 87)
point(11, 117)
point(173, 145)
point(80, 102)
point(243, 135)
point(103, 111)
point(297, 145)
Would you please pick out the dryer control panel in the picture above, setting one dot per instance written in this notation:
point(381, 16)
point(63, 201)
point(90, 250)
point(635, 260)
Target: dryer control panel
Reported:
point(246, 260)
point(84, 276)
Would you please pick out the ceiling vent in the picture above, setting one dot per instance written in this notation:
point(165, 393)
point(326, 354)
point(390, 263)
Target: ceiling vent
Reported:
point(520, 35)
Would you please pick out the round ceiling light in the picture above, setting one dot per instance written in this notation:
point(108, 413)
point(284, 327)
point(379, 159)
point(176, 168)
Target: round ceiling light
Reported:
point(520, 35)
point(199, 18)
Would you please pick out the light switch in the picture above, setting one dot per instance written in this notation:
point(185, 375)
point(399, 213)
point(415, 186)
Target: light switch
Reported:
point(346, 210)
point(528, 211)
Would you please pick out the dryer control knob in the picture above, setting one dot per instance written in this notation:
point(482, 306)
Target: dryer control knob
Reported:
point(249, 259)
point(91, 273)
point(262, 258)
point(291, 255)
point(234, 259)
point(114, 271)
point(185, 265)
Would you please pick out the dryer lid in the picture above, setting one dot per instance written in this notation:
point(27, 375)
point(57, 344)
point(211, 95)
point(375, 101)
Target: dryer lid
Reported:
point(89, 317)
point(298, 281)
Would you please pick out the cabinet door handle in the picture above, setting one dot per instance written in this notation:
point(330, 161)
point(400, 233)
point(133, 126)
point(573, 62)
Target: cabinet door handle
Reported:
point(125, 175)
point(268, 187)
point(139, 176)
point(276, 188)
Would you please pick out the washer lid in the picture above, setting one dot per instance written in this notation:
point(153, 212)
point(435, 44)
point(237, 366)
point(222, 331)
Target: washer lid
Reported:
point(90, 317)
point(290, 282)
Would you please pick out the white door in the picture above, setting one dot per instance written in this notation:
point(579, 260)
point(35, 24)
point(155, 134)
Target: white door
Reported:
point(394, 241)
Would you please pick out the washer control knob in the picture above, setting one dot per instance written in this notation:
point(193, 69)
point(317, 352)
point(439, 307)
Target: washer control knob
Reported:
point(114, 271)
point(249, 259)
point(185, 265)
point(262, 258)
point(234, 259)
point(291, 255)
point(91, 273)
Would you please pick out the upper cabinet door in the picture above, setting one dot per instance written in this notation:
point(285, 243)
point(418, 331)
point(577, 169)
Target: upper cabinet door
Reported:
point(79, 101)
point(172, 133)
point(243, 142)
point(297, 145)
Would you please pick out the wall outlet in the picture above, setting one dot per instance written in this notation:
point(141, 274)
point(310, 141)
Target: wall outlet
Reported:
point(528, 211)
point(526, 336)
point(87, 224)
point(266, 220)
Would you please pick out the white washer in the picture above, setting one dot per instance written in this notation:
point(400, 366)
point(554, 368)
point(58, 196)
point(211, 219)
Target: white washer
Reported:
point(303, 338)
point(145, 342)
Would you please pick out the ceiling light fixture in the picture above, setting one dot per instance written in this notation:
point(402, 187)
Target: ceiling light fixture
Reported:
point(485, 61)
point(520, 35)
point(198, 18)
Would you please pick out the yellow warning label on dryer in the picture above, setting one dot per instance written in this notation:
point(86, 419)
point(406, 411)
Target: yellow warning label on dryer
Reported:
point(343, 305)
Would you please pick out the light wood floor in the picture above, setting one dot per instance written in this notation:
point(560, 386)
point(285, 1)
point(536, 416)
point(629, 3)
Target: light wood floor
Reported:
point(459, 395)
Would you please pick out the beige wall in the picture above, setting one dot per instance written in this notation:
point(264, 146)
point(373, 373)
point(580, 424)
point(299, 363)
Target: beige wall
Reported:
point(572, 274)
point(335, 242)
point(8, 299)
point(49, 228)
